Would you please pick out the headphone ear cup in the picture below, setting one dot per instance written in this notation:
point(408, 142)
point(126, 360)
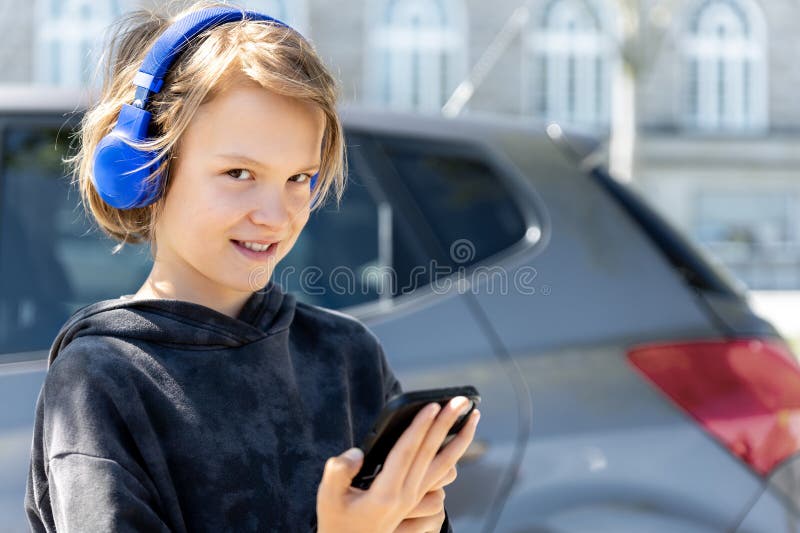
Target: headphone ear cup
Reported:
point(117, 175)
point(120, 170)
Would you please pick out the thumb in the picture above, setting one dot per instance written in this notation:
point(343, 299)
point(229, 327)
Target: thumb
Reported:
point(351, 461)
point(341, 470)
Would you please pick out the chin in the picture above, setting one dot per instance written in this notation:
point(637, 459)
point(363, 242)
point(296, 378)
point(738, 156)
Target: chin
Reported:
point(232, 282)
point(256, 278)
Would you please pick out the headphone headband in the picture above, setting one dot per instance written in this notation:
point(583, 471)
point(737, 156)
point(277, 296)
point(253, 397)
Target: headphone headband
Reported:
point(167, 48)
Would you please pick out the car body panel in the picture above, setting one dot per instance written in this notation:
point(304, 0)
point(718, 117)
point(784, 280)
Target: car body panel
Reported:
point(770, 514)
point(448, 348)
point(622, 291)
point(19, 389)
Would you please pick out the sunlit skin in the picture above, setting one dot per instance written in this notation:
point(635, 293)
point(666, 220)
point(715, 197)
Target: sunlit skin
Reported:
point(242, 172)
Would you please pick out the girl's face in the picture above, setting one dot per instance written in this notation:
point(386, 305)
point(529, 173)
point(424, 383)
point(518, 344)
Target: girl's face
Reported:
point(242, 173)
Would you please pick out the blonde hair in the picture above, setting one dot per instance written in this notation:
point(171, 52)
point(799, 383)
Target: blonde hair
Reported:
point(277, 58)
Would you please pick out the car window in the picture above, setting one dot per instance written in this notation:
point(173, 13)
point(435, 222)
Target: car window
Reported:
point(459, 193)
point(52, 259)
point(354, 254)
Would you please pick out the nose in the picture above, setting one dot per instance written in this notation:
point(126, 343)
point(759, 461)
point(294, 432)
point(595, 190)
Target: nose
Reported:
point(271, 207)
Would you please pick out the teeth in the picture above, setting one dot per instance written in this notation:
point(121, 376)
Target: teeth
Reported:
point(255, 246)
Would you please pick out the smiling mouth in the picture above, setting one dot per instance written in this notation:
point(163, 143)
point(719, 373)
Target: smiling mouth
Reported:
point(255, 254)
point(241, 243)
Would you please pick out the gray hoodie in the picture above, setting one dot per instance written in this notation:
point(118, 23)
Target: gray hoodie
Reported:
point(166, 415)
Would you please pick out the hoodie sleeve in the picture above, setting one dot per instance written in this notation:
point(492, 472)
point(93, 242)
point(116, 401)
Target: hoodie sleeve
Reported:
point(84, 474)
point(392, 386)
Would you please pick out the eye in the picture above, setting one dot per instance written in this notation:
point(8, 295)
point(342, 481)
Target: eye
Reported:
point(307, 178)
point(239, 174)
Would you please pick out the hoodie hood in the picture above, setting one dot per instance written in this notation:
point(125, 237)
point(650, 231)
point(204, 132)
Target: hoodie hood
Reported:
point(180, 323)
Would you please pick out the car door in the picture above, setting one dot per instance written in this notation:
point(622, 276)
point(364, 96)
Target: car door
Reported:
point(52, 261)
point(434, 332)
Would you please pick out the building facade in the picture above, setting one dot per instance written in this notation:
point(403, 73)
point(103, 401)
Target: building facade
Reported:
point(717, 118)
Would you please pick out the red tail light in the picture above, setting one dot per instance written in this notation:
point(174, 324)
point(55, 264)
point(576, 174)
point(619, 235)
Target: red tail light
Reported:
point(744, 392)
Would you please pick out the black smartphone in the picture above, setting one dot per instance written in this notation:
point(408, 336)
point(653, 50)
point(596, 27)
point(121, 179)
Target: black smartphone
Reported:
point(396, 416)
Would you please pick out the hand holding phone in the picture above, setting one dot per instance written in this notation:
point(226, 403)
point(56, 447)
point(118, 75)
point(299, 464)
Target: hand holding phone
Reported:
point(397, 415)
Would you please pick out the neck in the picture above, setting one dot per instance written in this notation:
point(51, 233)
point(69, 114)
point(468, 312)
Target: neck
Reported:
point(191, 288)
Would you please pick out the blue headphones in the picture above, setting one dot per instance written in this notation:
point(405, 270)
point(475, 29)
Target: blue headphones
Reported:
point(119, 169)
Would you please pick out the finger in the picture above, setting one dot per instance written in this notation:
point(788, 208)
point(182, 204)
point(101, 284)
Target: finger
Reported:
point(400, 457)
point(430, 504)
point(454, 449)
point(433, 440)
point(445, 480)
point(422, 524)
point(338, 472)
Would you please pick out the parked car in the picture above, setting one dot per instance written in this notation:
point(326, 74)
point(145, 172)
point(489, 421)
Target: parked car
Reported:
point(626, 385)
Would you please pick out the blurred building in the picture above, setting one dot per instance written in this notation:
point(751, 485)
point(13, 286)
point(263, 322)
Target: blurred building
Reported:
point(716, 112)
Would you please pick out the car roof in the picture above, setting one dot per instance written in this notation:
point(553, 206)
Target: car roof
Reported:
point(25, 99)
point(474, 126)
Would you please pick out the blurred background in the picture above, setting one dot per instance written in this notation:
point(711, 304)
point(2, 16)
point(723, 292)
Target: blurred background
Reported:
point(694, 100)
point(632, 391)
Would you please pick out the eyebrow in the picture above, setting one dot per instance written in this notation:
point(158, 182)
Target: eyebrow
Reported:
point(253, 163)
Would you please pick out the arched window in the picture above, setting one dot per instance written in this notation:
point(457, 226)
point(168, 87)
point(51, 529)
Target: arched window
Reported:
point(570, 52)
point(417, 53)
point(292, 12)
point(68, 38)
point(726, 50)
